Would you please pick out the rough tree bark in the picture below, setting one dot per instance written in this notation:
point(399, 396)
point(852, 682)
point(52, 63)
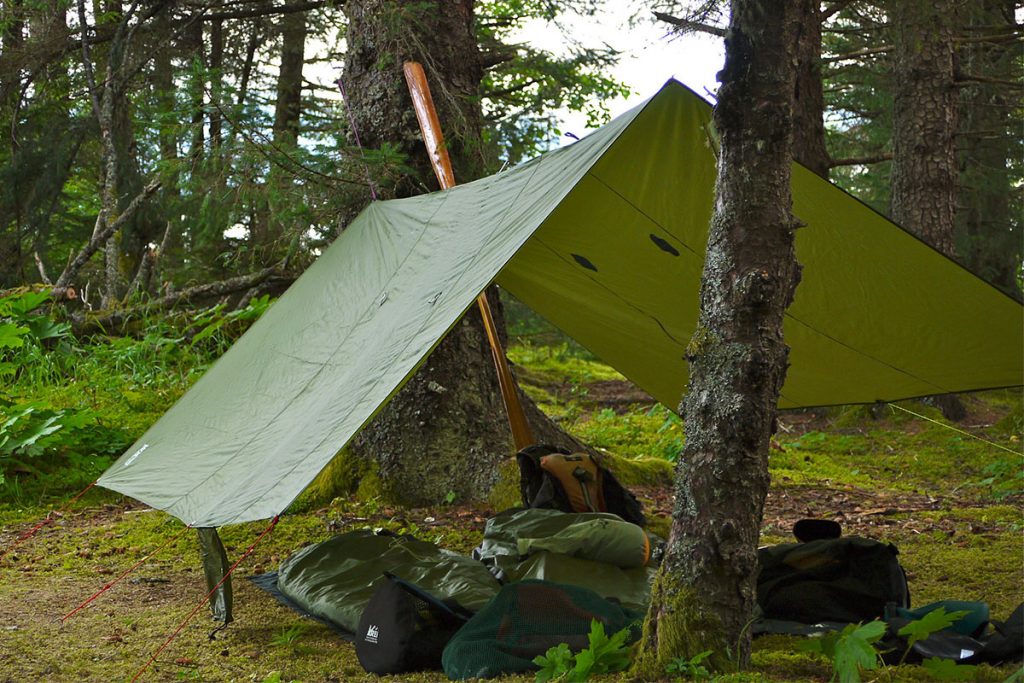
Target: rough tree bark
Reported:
point(703, 596)
point(446, 430)
point(924, 168)
point(809, 97)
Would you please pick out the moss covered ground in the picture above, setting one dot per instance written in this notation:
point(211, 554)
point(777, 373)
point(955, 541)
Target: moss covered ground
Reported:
point(951, 501)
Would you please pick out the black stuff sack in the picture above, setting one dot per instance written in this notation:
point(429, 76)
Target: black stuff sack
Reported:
point(405, 629)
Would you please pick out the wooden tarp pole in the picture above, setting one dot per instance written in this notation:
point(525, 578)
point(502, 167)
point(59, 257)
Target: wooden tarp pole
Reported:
point(434, 140)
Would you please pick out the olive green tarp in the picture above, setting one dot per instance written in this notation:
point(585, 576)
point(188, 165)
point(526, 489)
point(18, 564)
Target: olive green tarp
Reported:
point(605, 238)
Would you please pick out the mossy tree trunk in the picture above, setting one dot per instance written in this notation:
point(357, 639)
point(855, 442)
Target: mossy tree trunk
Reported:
point(446, 430)
point(704, 594)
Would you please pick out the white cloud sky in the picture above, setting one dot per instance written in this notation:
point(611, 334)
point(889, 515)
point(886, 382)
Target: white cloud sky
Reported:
point(649, 56)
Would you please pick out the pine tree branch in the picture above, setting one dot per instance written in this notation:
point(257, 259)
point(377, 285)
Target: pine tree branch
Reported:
point(863, 52)
point(687, 26)
point(273, 10)
point(861, 161)
point(964, 80)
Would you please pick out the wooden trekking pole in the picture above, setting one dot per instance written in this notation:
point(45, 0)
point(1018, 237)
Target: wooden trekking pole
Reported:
point(434, 140)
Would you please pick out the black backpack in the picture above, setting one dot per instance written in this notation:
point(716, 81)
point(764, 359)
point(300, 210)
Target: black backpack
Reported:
point(553, 477)
point(839, 580)
point(403, 628)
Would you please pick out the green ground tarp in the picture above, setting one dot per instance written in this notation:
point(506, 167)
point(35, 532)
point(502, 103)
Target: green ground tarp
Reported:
point(605, 238)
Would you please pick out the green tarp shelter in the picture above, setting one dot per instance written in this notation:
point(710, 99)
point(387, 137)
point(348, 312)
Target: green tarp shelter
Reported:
point(605, 238)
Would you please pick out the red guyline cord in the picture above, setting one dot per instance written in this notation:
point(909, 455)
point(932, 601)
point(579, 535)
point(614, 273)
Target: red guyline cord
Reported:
point(46, 520)
point(198, 607)
point(126, 573)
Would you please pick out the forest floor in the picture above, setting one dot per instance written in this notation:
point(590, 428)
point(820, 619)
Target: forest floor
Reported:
point(950, 502)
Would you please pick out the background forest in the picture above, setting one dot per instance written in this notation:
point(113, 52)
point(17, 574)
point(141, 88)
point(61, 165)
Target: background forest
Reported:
point(168, 168)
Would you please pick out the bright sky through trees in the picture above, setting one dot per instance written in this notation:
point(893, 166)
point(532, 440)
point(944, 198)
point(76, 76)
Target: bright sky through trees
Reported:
point(649, 56)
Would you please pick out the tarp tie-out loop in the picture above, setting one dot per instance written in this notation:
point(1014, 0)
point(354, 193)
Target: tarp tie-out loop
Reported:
point(195, 611)
point(49, 519)
point(122, 576)
point(355, 135)
point(955, 429)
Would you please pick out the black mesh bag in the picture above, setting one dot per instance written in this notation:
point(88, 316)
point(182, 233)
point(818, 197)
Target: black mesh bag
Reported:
point(523, 621)
point(404, 629)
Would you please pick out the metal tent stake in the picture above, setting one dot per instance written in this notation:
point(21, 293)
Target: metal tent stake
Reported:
point(430, 126)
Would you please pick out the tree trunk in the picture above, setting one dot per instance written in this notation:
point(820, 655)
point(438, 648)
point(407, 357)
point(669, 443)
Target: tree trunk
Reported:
point(925, 119)
point(445, 431)
point(193, 43)
point(289, 79)
point(809, 98)
point(924, 169)
point(703, 596)
point(216, 68)
point(987, 236)
point(268, 236)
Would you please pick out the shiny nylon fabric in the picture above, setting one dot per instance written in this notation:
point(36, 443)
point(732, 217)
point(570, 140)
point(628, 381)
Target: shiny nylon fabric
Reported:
point(605, 238)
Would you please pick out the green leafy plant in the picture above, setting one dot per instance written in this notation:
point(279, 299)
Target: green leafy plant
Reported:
point(289, 639)
point(602, 655)
point(1004, 478)
point(275, 677)
point(690, 668)
point(26, 337)
point(851, 650)
point(948, 670)
point(214, 322)
point(932, 622)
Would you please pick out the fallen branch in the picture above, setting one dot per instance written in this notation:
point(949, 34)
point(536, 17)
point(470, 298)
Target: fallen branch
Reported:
point(113, 321)
point(99, 238)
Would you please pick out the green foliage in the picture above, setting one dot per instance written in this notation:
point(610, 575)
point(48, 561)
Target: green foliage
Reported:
point(638, 432)
point(275, 677)
point(1004, 478)
point(933, 622)
point(522, 90)
point(215, 326)
point(851, 650)
point(602, 655)
point(290, 637)
point(555, 664)
point(690, 668)
point(26, 336)
point(948, 670)
point(854, 649)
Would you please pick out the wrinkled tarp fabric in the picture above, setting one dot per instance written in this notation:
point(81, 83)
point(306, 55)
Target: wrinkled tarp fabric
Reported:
point(605, 238)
